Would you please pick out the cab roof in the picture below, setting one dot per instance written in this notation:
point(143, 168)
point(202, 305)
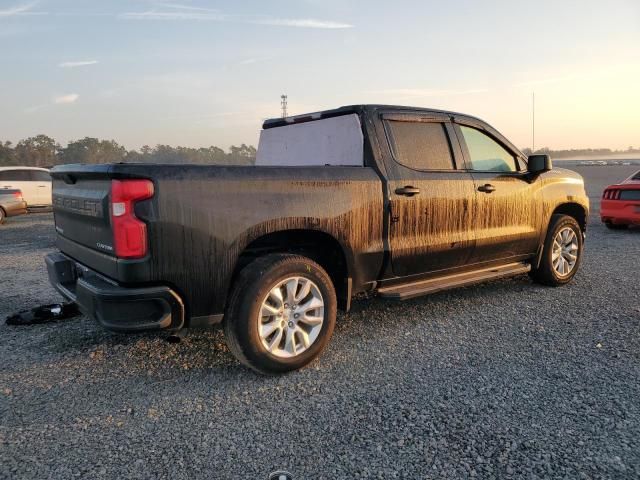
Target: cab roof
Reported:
point(370, 108)
point(359, 109)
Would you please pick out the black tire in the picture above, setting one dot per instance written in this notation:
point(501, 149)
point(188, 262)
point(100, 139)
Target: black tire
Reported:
point(3, 216)
point(250, 288)
point(545, 274)
point(615, 226)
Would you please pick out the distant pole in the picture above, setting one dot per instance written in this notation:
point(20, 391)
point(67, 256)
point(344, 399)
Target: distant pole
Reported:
point(283, 104)
point(533, 122)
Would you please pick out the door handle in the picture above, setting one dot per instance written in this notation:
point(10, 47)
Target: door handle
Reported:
point(486, 188)
point(407, 191)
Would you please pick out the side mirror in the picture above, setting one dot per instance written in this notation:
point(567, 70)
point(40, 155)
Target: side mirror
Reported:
point(539, 163)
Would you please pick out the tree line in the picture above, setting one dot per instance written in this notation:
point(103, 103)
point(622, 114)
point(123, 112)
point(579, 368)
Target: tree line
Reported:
point(44, 151)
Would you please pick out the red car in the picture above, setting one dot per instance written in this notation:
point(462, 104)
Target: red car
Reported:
point(620, 205)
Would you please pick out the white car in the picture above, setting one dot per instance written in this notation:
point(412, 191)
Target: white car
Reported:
point(35, 184)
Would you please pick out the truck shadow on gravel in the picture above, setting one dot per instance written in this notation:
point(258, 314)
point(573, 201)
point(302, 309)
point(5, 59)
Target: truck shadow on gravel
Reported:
point(206, 349)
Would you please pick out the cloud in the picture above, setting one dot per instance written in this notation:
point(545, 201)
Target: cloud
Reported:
point(180, 6)
point(35, 108)
point(65, 99)
point(301, 23)
point(82, 63)
point(24, 9)
point(58, 100)
point(209, 15)
point(252, 60)
point(174, 11)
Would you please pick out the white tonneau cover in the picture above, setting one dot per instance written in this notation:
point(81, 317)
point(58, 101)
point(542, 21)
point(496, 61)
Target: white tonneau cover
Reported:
point(329, 141)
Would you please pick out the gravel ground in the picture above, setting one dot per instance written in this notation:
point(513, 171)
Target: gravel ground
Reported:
point(504, 380)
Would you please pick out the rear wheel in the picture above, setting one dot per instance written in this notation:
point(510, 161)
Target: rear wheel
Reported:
point(561, 253)
point(2, 216)
point(281, 313)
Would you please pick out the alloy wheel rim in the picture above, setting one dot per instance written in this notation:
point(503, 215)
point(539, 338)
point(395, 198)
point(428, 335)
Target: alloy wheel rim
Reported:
point(291, 317)
point(565, 251)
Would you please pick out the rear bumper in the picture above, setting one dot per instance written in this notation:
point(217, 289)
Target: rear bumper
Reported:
point(620, 212)
point(116, 308)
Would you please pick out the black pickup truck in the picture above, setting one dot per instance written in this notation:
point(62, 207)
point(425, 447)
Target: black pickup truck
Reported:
point(393, 200)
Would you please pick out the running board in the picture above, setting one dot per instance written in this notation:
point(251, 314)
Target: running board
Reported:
point(406, 291)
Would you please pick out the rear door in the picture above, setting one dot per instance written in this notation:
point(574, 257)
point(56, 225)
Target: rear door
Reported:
point(42, 186)
point(430, 194)
point(507, 210)
point(20, 179)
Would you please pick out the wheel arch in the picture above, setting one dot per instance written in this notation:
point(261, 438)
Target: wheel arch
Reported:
point(572, 209)
point(321, 247)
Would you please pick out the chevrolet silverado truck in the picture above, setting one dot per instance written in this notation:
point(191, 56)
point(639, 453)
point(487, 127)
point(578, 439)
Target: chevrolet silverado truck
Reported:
point(397, 201)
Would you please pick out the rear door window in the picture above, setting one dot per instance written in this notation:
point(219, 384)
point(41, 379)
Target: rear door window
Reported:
point(40, 176)
point(327, 141)
point(420, 145)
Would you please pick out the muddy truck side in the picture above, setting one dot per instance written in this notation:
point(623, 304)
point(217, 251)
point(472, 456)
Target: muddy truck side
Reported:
point(397, 201)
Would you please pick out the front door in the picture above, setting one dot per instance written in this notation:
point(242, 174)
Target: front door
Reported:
point(430, 195)
point(507, 212)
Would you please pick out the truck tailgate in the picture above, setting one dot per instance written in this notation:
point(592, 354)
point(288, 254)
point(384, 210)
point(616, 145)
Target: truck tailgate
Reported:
point(81, 211)
point(81, 203)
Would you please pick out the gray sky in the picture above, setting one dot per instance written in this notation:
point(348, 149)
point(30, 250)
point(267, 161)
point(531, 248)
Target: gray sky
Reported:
point(200, 72)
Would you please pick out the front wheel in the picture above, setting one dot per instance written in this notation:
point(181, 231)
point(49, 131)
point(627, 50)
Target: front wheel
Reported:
point(561, 253)
point(281, 313)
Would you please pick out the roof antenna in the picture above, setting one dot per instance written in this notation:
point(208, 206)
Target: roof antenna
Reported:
point(533, 122)
point(283, 104)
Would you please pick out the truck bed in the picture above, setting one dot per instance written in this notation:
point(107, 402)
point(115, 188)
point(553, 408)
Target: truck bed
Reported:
point(202, 218)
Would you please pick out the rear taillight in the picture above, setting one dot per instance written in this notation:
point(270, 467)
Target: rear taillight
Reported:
point(611, 194)
point(18, 195)
point(129, 233)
